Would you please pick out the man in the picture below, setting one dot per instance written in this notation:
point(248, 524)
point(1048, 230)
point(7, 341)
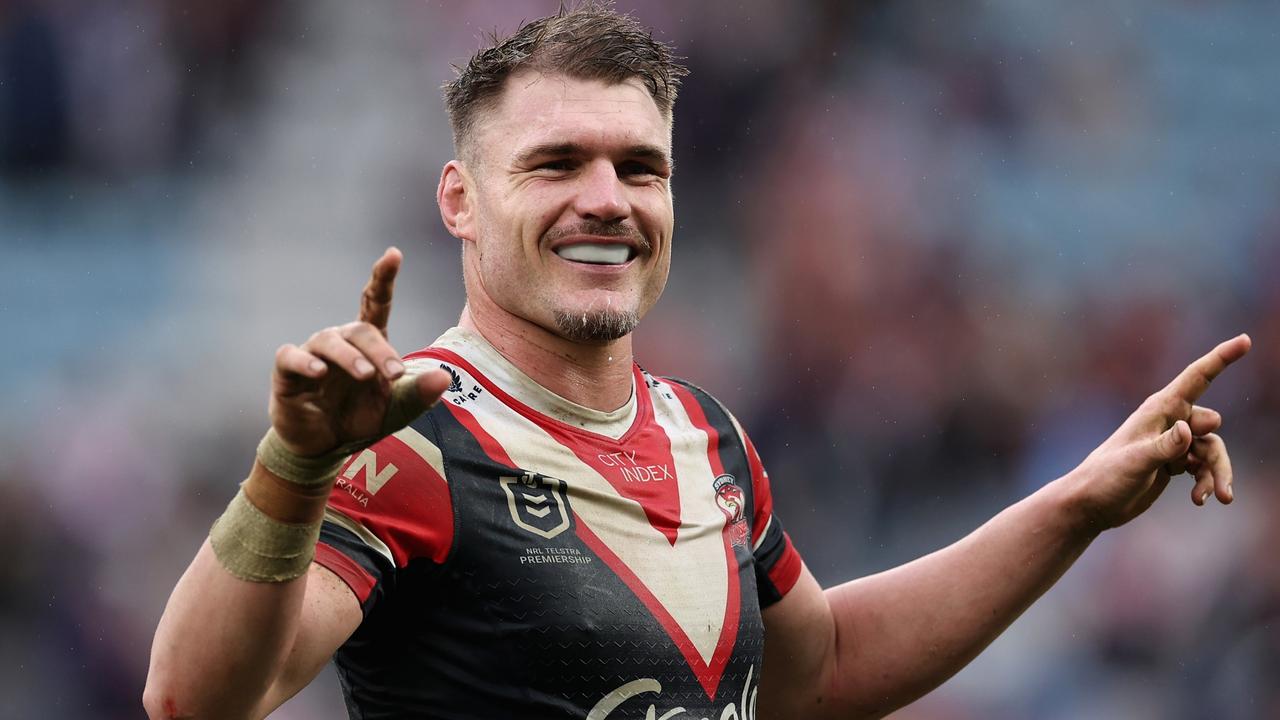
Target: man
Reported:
point(564, 534)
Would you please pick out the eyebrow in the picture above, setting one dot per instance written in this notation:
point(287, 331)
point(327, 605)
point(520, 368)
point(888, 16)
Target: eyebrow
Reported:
point(652, 153)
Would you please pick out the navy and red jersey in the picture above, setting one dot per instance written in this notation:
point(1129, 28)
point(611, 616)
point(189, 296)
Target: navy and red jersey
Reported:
point(518, 555)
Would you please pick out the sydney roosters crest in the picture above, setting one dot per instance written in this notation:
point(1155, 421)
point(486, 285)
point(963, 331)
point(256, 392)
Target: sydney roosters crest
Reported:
point(733, 504)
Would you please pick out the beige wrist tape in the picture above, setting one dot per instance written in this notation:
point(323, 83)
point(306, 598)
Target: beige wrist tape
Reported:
point(255, 547)
point(306, 471)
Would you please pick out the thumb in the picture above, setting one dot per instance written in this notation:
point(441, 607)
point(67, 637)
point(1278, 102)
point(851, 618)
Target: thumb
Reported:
point(412, 395)
point(1171, 444)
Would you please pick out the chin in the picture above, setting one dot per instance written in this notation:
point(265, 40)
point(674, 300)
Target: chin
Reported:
point(595, 326)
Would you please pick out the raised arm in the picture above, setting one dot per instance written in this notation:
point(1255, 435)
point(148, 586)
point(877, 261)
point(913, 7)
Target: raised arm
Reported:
point(252, 620)
point(867, 647)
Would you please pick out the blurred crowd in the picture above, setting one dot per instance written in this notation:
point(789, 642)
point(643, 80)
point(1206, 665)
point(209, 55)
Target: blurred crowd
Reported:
point(930, 254)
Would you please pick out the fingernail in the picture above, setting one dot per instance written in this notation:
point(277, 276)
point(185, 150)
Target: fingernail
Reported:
point(363, 367)
point(394, 367)
point(1231, 494)
point(316, 366)
point(1205, 497)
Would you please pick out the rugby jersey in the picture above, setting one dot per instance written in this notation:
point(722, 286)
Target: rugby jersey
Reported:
point(518, 555)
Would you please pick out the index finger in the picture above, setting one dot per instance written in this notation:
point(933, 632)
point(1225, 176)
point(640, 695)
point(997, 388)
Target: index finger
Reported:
point(1192, 382)
point(375, 301)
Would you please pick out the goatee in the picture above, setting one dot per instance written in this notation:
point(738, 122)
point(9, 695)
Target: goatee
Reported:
point(596, 326)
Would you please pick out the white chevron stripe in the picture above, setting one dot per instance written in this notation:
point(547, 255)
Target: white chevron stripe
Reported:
point(689, 578)
point(424, 447)
point(701, 521)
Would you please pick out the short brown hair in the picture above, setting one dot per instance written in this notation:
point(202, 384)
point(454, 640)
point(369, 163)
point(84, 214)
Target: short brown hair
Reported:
point(590, 42)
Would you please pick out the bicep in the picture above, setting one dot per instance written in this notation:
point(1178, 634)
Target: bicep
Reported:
point(799, 652)
point(330, 614)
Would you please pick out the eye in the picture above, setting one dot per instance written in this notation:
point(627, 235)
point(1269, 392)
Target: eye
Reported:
point(559, 165)
point(637, 169)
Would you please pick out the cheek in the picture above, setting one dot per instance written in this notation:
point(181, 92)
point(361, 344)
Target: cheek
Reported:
point(528, 213)
point(497, 234)
point(657, 209)
point(542, 208)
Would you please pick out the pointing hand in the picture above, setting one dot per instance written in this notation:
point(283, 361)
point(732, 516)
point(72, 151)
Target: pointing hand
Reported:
point(346, 386)
point(1167, 435)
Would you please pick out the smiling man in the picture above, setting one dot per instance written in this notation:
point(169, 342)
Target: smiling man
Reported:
point(564, 201)
point(520, 521)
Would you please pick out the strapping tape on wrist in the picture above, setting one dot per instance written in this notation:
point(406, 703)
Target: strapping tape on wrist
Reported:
point(305, 471)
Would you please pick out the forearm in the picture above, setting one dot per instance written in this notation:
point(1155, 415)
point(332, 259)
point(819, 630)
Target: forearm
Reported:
point(222, 640)
point(901, 633)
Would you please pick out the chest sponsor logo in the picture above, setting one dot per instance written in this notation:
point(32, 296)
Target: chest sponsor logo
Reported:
point(632, 471)
point(732, 503)
point(741, 708)
point(537, 503)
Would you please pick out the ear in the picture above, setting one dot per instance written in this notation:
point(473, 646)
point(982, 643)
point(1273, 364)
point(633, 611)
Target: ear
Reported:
point(454, 196)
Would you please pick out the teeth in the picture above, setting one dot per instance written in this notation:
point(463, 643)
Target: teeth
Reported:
point(597, 254)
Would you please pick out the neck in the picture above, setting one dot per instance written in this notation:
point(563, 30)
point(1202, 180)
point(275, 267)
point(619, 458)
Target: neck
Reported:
point(594, 376)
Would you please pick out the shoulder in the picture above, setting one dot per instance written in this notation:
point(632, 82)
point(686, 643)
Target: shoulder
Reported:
point(687, 386)
point(695, 399)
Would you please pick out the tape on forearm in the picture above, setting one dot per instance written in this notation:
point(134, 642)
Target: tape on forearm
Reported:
point(255, 547)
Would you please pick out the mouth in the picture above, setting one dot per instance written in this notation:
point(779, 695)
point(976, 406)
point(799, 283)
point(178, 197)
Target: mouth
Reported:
point(593, 253)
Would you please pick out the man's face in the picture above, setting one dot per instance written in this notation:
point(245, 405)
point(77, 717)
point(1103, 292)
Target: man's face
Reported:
point(573, 204)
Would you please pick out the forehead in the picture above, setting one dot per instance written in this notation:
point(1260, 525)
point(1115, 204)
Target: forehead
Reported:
point(537, 108)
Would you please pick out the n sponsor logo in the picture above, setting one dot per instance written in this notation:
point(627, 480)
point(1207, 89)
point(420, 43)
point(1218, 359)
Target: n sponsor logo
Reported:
point(374, 479)
point(537, 503)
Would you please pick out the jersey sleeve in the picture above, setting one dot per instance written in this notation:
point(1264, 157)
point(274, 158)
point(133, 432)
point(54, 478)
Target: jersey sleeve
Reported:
point(390, 505)
point(777, 561)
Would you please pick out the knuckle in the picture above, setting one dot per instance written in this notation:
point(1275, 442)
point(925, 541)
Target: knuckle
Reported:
point(322, 335)
point(371, 339)
point(1173, 406)
point(357, 329)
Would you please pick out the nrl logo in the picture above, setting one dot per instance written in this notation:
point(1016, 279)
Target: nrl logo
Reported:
point(537, 503)
point(455, 380)
point(733, 504)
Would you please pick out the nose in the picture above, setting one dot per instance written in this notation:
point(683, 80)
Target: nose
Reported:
point(602, 195)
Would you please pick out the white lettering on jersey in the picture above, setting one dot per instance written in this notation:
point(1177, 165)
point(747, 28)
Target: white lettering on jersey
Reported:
point(632, 471)
point(743, 709)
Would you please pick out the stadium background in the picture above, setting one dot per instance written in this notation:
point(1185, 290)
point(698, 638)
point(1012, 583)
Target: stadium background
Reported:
point(931, 253)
